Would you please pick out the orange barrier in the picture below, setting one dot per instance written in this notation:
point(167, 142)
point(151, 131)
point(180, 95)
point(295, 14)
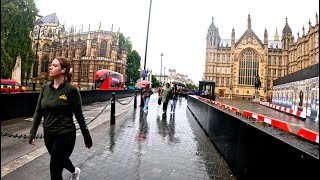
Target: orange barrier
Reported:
point(308, 134)
point(281, 124)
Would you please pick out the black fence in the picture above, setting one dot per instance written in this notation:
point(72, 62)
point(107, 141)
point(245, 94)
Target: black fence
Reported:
point(250, 150)
point(307, 73)
point(15, 105)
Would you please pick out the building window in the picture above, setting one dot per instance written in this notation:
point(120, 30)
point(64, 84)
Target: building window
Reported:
point(280, 73)
point(227, 81)
point(218, 69)
point(46, 47)
point(103, 49)
point(83, 49)
point(222, 70)
point(275, 60)
point(228, 58)
point(268, 84)
point(218, 58)
point(84, 72)
point(44, 64)
point(228, 70)
point(274, 72)
point(217, 80)
point(314, 41)
point(280, 61)
point(269, 60)
point(222, 81)
point(248, 67)
point(223, 59)
point(300, 50)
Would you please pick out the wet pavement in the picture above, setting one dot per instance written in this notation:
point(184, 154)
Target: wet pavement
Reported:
point(140, 146)
point(295, 123)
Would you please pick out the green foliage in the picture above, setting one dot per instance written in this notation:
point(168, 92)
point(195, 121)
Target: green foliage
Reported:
point(125, 42)
point(17, 21)
point(133, 64)
point(191, 86)
point(154, 81)
point(133, 60)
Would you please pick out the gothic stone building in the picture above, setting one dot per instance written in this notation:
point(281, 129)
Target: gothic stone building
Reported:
point(87, 51)
point(232, 64)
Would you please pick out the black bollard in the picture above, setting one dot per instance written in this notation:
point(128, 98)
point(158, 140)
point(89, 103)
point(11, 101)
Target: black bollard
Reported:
point(141, 100)
point(135, 99)
point(113, 109)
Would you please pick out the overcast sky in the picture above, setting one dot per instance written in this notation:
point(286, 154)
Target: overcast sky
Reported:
point(178, 28)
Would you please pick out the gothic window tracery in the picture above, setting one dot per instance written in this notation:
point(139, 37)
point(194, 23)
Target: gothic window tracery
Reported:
point(83, 49)
point(248, 67)
point(44, 64)
point(103, 49)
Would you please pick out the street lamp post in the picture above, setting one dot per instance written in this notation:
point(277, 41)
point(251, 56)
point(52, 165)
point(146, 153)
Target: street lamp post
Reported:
point(35, 66)
point(145, 54)
point(161, 69)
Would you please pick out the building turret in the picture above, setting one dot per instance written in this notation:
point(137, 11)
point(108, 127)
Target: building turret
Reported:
point(213, 37)
point(317, 21)
point(303, 32)
point(265, 37)
point(286, 36)
point(232, 36)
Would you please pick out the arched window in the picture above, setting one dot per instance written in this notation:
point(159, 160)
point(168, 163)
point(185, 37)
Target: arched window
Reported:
point(46, 47)
point(103, 49)
point(83, 49)
point(45, 64)
point(248, 67)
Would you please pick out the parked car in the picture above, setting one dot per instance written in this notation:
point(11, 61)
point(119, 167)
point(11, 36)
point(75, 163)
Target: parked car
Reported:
point(10, 85)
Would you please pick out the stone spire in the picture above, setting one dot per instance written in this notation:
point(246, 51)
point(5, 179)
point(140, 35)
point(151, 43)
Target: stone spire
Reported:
point(276, 36)
point(249, 22)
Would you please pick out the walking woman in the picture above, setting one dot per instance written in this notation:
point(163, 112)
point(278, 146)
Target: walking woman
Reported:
point(174, 97)
point(57, 103)
point(147, 92)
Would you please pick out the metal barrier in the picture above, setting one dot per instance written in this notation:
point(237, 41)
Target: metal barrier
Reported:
point(112, 116)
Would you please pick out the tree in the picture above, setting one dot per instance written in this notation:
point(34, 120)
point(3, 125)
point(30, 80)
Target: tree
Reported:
point(133, 64)
point(154, 81)
point(133, 60)
point(125, 42)
point(17, 21)
point(191, 86)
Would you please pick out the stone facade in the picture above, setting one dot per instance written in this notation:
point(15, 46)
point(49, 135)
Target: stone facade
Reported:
point(232, 64)
point(87, 51)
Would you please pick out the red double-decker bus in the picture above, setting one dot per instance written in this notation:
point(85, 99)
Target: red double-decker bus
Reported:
point(106, 79)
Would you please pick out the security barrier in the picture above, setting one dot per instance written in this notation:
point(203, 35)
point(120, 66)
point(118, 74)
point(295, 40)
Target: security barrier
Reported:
point(251, 147)
point(15, 105)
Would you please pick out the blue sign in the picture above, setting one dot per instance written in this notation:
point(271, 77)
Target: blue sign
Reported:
point(144, 74)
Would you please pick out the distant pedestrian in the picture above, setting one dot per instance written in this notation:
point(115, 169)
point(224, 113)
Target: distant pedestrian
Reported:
point(57, 103)
point(165, 97)
point(146, 92)
point(174, 97)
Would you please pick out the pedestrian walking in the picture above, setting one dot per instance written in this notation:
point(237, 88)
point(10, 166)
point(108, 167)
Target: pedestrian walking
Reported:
point(165, 97)
point(57, 103)
point(174, 98)
point(146, 92)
